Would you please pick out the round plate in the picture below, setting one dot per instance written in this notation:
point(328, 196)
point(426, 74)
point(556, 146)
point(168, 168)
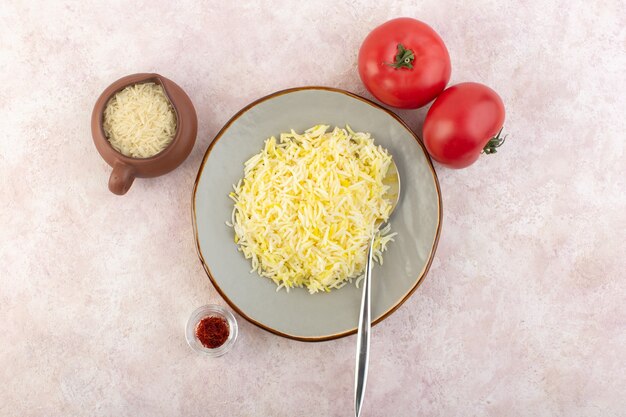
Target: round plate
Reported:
point(298, 314)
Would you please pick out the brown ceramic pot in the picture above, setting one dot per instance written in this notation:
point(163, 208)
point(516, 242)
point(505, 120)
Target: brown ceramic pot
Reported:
point(126, 169)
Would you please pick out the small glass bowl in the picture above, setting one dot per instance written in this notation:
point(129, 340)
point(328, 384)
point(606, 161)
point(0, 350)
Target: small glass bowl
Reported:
point(208, 311)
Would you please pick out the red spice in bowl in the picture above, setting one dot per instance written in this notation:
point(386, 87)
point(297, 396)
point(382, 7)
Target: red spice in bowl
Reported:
point(212, 332)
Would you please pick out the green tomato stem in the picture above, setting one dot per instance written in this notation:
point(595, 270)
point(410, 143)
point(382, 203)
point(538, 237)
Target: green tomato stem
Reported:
point(494, 143)
point(404, 58)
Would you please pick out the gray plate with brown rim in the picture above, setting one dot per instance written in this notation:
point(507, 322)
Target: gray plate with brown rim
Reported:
point(298, 314)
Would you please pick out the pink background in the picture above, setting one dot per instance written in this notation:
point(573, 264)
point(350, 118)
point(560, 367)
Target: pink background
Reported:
point(522, 313)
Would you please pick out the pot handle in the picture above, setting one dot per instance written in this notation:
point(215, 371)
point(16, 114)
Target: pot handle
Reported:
point(121, 178)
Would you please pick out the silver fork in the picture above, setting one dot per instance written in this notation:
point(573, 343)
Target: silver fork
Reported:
point(392, 180)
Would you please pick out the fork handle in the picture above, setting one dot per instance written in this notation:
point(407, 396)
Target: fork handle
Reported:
point(363, 335)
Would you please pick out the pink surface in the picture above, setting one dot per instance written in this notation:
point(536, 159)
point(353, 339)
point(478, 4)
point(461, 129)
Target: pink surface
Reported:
point(523, 311)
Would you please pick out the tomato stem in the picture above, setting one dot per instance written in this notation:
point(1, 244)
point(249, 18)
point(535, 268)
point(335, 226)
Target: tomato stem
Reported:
point(494, 143)
point(404, 58)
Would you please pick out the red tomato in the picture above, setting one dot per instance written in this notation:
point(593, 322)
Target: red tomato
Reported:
point(404, 63)
point(465, 120)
